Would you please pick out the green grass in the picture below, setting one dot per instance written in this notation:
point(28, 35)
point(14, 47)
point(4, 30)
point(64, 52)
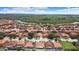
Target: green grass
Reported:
point(77, 48)
point(68, 46)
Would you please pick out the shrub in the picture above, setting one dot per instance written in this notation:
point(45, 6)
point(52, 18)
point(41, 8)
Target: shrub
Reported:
point(51, 36)
point(2, 35)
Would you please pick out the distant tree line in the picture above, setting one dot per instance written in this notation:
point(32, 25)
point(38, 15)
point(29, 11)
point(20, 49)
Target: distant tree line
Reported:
point(55, 19)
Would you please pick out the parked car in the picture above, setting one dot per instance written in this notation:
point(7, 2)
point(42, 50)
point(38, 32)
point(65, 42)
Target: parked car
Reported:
point(19, 47)
point(8, 47)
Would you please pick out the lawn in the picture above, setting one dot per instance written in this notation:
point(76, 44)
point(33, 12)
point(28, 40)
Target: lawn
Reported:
point(68, 46)
point(77, 48)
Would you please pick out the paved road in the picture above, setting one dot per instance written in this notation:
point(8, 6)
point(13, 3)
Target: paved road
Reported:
point(29, 49)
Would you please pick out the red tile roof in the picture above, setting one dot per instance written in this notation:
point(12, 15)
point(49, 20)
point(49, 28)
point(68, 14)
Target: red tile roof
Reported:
point(29, 44)
point(45, 34)
point(39, 44)
point(57, 44)
point(49, 44)
point(20, 42)
point(11, 43)
point(2, 42)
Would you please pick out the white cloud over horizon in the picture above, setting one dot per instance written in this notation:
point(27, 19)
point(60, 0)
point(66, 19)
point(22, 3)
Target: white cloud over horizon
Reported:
point(39, 10)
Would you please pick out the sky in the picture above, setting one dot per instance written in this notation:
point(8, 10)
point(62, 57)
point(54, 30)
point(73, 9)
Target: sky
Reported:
point(39, 10)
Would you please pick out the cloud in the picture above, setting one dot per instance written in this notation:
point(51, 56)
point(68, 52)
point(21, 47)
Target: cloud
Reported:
point(23, 10)
point(74, 10)
point(39, 10)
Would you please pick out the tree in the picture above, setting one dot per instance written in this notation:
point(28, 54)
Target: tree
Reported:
point(46, 19)
point(54, 32)
point(12, 36)
point(78, 39)
point(51, 36)
point(2, 35)
point(30, 35)
point(20, 38)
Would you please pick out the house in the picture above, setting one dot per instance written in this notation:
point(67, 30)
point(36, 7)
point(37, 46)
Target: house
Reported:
point(2, 42)
point(64, 35)
point(45, 35)
point(39, 35)
point(49, 44)
point(57, 46)
point(20, 42)
point(40, 46)
point(29, 44)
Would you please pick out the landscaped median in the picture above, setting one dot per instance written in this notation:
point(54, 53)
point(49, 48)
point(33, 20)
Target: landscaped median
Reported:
point(68, 46)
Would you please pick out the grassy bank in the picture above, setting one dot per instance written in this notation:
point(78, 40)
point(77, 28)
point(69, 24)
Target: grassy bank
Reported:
point(68, 46)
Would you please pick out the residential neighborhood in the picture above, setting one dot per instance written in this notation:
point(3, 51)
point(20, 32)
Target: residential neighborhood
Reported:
point(19, 35)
